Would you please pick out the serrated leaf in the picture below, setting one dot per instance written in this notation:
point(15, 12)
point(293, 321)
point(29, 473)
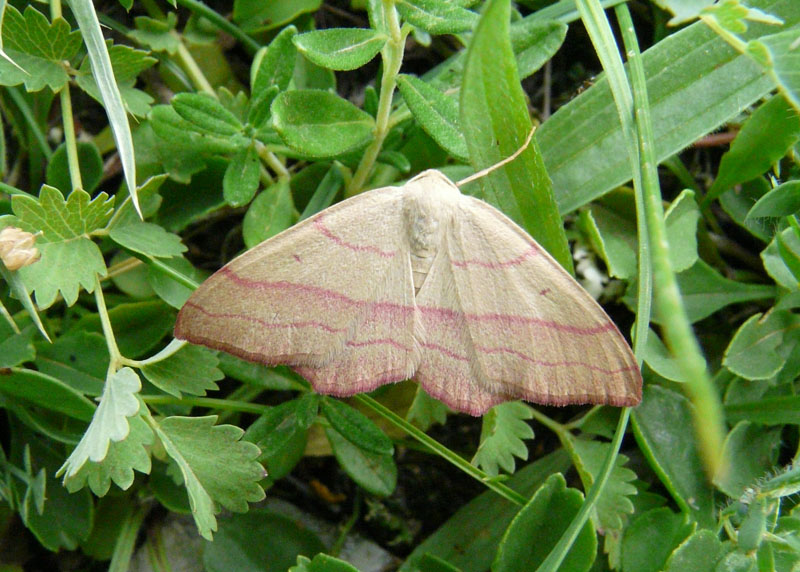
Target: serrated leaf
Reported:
point(762, 344)
point(373, 472)
point(437, 16)
point(123, 457)
point(157, 34)
point(425, 410)
point(216, 466)
point(206, 114)
point(613, 507)
point(356, 427)
point(319, 123)
point(37, 47)
point(545, 518)
point(192, 369)
point(271, 212)
point(61, 220)
point(436, 113)
point(274, 64)
point(502, 438)
point(322, 563)
point(242, 176)
point(340, 49)
point(109, 423)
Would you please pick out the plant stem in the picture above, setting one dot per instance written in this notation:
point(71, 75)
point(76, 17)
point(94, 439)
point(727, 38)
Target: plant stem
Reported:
point(251, 45)
point(209, 402)
point(436, 447)
point(392, 55)
point(108, 331)
point(69, 139)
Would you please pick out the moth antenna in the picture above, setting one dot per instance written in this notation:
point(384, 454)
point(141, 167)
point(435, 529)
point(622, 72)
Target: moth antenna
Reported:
point(496, 166)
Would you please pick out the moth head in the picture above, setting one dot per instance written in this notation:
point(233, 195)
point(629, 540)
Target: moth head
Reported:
point(429, 200)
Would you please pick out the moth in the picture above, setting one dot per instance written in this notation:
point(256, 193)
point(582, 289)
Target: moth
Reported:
point(416, 281)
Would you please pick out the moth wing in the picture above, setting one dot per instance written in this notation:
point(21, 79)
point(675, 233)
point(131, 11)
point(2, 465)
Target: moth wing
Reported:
point(503, 320)
point(331, 296)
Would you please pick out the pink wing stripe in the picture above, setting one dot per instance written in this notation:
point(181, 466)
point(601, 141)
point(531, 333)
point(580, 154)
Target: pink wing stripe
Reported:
point(380, 341)
point(522, 356)
point(532, 251)
point(265, 323)
point(326, 232)
point(438, 314)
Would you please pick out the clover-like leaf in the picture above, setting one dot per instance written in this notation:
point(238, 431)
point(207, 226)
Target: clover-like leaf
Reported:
point(36, 49)
point(216, 466)
point(70, 260)
point(119, 463)
point(502, 437)
point(109, 423)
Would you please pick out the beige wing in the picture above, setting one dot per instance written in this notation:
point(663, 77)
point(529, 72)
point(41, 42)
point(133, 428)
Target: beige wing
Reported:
point(503, 320)
point(331, 296)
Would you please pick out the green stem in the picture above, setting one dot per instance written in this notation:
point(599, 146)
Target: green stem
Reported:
point(194, 71)
point(439, 449)
point(732, 39)
point(30, 119)
point(70, 142)
point(392, 55)
point(108, 331)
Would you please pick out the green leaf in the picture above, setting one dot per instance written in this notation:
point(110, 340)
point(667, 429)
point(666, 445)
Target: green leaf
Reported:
point(271, 212)
point(696, 82)
point(762, 344)
point(242, 177)
point(705, 291)
point(495, 122)
point(322, 563)
point(139, 326)
point(535, 42)
point(157, 34)
point(325, 192)
point(503, 433)
point(216, 466)
point(437, 16)
point(545, 518)
point(206, 114)
point(753, 450)
point(356, 427)
point(767, 411)
point(192, 369)
point(700, 551)
point(613, 508)
point(468, 540)
point(282, 433)
point(280, 540)
point(613, 235)
point(374, 472)
point(738, 201)
point(172, 292)
point(788, 242)
point(179, 135)
point(340, 49)
point(257, 15)
point(652, 537)
point(775, 258)
point(779, 51)
point(123, 457)
point(146, 238)
point(70, 260)
point(109, 423)
point(436, 113)
point(319, 123)
point(660, 360)
point(783, 200)
point(681, 220)
point(38, 47)
point(78, 358)
point(274, 64)
point(660, 424)
point(764, 138)
point(46, 392)
point(425, 410)
point(89, 160)
point(16, 348)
